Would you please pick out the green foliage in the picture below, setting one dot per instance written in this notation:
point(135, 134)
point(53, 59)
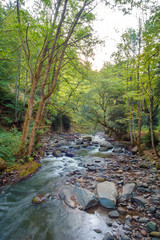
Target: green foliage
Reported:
point(9, 142)
point(147, 140)
point(8, 108)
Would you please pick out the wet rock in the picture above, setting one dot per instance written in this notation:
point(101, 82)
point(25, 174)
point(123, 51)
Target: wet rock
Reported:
point(144, 165)
point(151, 227)
point(67, 196)
point(158, 165)
point(127, 191)
point(107, 145)
point(143, 220)
point(101, 179)
point(139, 200)
point(125, 237)
point(122, 211)
point(86, 198)
point(87, 139)
point(107, 194)
point(109, 224)
point(108, 236)
point(39, 198)
point(76, 196)
point(85, 145)
point(71, 155)
point(103, 149)
point(152, 209)
point(144, 233)
point(114, 214)
point(76, 147)
point(57, 154)
point(155, 199)
point(97, 230)
point(155, 234)
point(2, 164)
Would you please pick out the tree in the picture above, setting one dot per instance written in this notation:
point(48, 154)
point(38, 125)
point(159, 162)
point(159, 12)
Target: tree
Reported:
point(59, 33)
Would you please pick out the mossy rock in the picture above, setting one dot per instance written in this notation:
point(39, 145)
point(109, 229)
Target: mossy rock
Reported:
point(158, 165)
point(155, 234)
point(101, 179)
point(28, 168)
point(39, 198)
point(144, 165)
point(3, 164)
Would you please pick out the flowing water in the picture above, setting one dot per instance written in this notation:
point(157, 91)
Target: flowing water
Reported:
point(51, 220)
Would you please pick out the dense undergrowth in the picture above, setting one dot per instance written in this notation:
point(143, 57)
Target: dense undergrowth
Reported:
point(9, 142)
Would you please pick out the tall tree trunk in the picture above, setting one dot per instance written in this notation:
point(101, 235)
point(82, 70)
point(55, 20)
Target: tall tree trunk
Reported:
point(138, 111)
point(133, 121)
point(35, 126)
point(28, 116)
point(151, 110)
point(138, 92)
point(129, 112)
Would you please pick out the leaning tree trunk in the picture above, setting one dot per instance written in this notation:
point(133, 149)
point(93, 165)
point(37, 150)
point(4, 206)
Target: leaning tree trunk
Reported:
point(22, 146)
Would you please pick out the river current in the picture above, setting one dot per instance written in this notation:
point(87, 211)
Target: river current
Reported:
point(20, 219)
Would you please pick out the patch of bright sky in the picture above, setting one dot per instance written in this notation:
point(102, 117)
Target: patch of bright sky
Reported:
point(109, 27)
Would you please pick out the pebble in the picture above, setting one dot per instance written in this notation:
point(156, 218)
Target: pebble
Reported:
point(97, 230)
point(114, 214)
point(144, 233)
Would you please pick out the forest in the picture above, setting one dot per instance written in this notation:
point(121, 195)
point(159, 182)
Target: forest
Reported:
point(46, 86)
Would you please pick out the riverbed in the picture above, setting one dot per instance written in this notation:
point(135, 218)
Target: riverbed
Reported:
point(20, 219)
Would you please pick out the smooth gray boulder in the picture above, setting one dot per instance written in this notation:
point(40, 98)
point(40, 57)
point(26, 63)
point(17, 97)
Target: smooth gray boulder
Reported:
point(107, 194)
point(127, 191)
point(85, 198)
point(76, 196)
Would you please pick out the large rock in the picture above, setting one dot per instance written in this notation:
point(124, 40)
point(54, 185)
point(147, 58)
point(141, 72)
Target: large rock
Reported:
point(40, 198)
point(135, 149)
point(107, 194)
point(127, 191)
point(57, 154)
point(2, 164)
point(86, 198)
point(76, 196)
point(106, 145)
point(151, 226)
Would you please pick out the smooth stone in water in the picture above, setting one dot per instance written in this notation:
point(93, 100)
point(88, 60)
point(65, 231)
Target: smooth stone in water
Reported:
point(107, 194)
point(113, 214)
point(108, 236)
point(97, 230)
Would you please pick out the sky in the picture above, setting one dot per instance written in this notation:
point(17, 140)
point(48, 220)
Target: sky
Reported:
point(109, 26)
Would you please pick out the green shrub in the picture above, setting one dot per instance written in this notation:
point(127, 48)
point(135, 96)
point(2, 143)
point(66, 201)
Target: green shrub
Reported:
point(147, 140)
point(9, 142)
